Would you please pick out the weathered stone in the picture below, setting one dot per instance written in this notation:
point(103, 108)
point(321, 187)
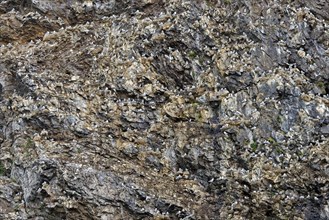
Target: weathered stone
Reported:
point(157, 109)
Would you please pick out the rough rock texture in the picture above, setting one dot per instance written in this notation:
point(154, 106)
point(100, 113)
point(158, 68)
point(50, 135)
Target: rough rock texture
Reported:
point(154, 109)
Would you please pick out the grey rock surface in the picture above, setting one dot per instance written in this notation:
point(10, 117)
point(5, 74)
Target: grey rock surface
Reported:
point(155, 109)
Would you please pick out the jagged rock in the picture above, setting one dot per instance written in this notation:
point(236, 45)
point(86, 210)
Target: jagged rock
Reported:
point(159, 109)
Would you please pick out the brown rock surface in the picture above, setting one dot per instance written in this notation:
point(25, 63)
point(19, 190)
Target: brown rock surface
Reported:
point(154, 109)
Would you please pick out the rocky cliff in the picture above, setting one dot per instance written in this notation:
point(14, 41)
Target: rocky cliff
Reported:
point(154, 109)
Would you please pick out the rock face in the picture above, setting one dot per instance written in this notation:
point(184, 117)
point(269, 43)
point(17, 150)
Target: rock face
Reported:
point(154, 109)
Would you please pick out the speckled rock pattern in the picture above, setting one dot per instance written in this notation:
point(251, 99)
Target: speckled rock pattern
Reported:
point(153, 109)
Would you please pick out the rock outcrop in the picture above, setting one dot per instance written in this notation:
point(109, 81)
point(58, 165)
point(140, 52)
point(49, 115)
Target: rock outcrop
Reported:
point(154, 109)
